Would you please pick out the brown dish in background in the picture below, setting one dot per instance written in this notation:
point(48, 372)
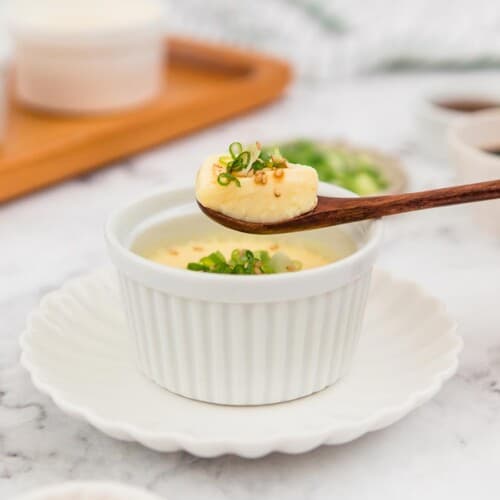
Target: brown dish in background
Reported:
point(467, 105)
point(492, 150)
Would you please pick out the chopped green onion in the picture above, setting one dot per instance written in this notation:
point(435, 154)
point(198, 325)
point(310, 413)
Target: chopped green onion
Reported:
point(235, 255)
point(252, 157)
point(258, 165)
point(239, 163)
point(254, 149)
point(265, 262)
point(244, 261)
point(235, 149)
point(225, 160)
point(238, 269)
point(224, 179)
point(195, 266)
point(244, 158)
point(213, 260)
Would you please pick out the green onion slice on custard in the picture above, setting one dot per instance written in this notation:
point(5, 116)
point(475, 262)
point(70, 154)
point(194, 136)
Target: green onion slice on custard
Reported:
point(235, 148)
point(224, 179)
point(244, 160)
point(244, 261)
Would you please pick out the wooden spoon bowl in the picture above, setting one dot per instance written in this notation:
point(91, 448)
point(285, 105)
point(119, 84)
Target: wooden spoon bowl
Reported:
point(334, 211)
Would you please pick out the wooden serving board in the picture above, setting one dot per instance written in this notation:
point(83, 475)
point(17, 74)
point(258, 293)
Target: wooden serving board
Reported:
point(205, 83)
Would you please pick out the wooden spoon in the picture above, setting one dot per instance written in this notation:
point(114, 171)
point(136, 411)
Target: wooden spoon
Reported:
point(333, 211)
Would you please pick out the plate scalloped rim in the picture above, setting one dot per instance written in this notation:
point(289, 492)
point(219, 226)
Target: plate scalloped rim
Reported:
point(298, 443)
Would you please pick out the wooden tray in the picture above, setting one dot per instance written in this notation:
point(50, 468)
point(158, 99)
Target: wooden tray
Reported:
point(205, 83)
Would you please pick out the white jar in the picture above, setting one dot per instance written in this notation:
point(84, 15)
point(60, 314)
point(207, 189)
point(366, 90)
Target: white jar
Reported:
point(467, 140)
point(86, 56)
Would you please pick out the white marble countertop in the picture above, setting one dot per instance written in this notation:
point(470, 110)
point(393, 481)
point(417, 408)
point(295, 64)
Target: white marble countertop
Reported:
point(449, 448)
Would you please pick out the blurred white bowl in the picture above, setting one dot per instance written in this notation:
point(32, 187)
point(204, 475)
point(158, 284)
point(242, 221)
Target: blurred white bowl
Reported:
point(439, 110)
point(467, 141)
point(91, 56)
point(88, 491)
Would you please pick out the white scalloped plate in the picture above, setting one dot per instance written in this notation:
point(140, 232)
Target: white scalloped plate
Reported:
point(88, 490)
point(78, 351)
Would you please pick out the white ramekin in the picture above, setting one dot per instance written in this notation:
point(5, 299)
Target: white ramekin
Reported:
point(87, 57)
point(239, 340)
point(465, 140)
point(88, 490)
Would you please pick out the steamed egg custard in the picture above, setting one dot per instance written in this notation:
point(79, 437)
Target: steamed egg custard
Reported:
point(247, 255)
point(236, 253)
point(254, 185)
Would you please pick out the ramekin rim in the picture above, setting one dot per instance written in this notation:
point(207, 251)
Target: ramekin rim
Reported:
point(360, 254)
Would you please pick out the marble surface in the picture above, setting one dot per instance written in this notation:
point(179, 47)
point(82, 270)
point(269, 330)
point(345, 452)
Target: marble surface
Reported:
point(449, 448)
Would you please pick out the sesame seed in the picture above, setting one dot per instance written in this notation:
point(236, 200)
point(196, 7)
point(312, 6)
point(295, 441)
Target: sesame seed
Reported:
point(217, 169)
point(171, 251)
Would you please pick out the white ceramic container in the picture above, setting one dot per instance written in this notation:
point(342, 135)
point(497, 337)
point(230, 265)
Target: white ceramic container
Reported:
point(466, 141)
point(88, 490)
point(224, 339)
point(433, 120)
point(4, 59)
point(87, 56)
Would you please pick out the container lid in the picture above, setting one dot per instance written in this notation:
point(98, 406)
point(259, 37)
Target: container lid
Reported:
point(85, 21)
point(5, 45)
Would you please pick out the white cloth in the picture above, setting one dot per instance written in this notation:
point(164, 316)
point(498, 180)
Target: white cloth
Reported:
point(325, 38)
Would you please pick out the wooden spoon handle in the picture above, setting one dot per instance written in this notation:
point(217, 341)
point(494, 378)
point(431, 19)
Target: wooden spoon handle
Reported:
point(377, 206)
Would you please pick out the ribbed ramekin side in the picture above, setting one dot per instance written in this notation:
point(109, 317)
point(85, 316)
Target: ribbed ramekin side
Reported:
point(357, 316)
point(245, 354)
point(324, 337)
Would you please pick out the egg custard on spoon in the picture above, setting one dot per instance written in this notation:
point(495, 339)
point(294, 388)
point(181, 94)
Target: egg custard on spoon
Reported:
point(251, 185)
